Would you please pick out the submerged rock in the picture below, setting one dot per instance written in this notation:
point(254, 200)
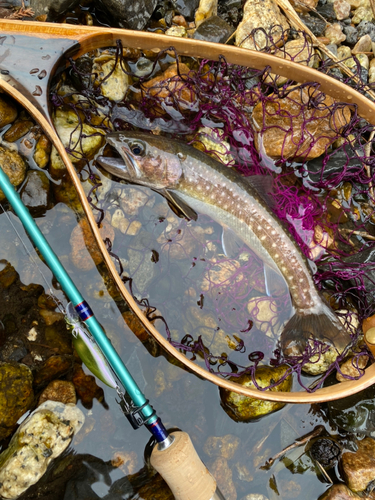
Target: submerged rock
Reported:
point(359, 467)
point(338, 492)
point(293, 129)
point(16, 395)
point(43, 436)
point(35, 193)
point(132, 14)
point(113, 80)
point(8, 111)
point(355, 413)
point(18, 130)
point(242, 408)
point(59, 390)
point(213, 29)
point(225, 446)
point(42, 151)
point(81, 139)
point(13, 165)
point(224, 477)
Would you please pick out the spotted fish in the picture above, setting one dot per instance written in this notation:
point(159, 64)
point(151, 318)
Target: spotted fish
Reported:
point(197, 183)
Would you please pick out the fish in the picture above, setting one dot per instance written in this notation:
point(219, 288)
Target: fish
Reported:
point(198, 184)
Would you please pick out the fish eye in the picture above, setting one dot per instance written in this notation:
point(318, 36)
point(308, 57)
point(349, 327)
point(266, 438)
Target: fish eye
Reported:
point(137, 149)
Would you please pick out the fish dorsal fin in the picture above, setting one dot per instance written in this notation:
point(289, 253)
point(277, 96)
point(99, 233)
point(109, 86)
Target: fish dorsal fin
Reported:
point(274, 281)
point(231, 243)
point(178, 205)
point(263, 185)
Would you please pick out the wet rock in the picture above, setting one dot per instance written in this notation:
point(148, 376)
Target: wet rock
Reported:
point(82, 243)
point(325, 450)
point(304, 5)
point(316, 25)
point(119, 221)
point(355, 413)
point(352, 367)
point(133, 327)
point(224, 447)
point(141, 267)
point(334, 33)
point(42, 151)
point(186, 8)
point(18, 130)
point(35, 193)
point(319, 363)
point(42, 437)
point(305, 142)
point(58, 337)
point(179, 31)
point(52, 368)
point(342, 9)
point(51, 9)
point(8, 275)
point(363, 45)
point(213, 29)
point(8, 111)
point(13, 165)
point(86, 387)
point(66, 193)
point(224, 478)
point(170, 89)
point(59, 390)
point(50, 317)
point(263, 311)
point(212, 142)
point(359, 467)
point(182, 243)
point(81, 139)
point(263, 14)
point(16, 395)
point(351, 35)
point(338, 492)
point(242, 408)
point(362, 14)
point(206, 9)
point(132, 14)
point(57, 167)
point(113, 80)
point(366, 28)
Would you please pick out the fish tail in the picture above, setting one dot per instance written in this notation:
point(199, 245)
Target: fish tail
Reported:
point(319, 323)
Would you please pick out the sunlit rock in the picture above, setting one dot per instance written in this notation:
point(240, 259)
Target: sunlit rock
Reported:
point(13, 165)
point(42, 437)
point(359, 467)
point(42, 151)
point(112, 78)
point(242, 408)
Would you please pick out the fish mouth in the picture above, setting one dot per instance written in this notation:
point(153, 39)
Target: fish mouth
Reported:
point(129, 160)
point(122, 165)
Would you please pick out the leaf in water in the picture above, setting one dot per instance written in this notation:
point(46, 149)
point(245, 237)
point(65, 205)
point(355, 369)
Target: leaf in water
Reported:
point(273, 485)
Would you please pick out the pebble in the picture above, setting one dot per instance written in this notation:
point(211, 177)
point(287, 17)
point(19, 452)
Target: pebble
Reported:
point(59, 390)
point(18, 130)
point(42, 151)
point(224, 477)
point(334, 33)
point(263, 14)
point(214, 29)
point(328, 12)
point(351, 34)
point(35, 193)
point(8, 111)
point(359, 467)
point(186, 8)
point(366, 28)
point(342, 9)
point(349, 367)
point(364, 44)
point(362, 14)
point(206, 9)
point(179, 31)
point(316, 25)
point(119, 221)
point(13, 165)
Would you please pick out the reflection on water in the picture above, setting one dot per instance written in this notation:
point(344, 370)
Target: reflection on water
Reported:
point(106, 458)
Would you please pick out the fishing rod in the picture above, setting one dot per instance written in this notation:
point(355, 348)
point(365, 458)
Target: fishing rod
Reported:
point(174, 455)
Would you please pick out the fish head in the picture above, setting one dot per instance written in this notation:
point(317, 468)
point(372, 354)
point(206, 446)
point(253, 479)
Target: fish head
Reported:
point(145, 159)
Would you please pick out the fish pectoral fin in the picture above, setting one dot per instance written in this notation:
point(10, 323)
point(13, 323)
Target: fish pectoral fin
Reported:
point(178, 205)
point(274, 281)
point(264, 186)
point(230, 242)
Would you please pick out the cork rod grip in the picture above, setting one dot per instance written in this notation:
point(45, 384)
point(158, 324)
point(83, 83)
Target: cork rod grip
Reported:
point(183, 470)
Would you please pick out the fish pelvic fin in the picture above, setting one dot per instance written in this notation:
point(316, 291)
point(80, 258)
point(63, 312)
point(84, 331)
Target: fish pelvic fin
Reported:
point(319, 323)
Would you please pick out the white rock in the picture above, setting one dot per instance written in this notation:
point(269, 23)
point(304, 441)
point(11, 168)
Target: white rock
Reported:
point(114, 82)
point(43, 436)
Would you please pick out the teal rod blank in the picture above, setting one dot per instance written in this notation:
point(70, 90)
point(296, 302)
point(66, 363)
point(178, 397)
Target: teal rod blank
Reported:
point(74, 296)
